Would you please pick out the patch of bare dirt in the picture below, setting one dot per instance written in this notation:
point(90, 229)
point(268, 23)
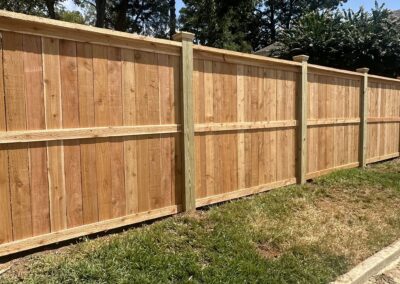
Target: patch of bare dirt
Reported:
point(268, 252)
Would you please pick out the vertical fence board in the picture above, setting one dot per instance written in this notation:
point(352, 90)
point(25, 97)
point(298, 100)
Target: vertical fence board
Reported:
point(271, 137)
point(129, 117)
point(36, 119)
point(87, 119)
point(143, 75)
point(116, 143)
point(70, 119)
point(102, 118)
point(55, 151)
point(6, 234)
point(14, 87)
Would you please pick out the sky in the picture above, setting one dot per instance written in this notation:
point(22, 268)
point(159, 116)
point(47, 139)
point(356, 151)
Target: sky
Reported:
point(352, 4)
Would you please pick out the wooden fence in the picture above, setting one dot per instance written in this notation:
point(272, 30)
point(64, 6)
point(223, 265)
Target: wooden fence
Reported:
point(101, 129)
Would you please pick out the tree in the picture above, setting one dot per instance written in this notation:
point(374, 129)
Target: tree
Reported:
point(146, 17)
point(275, 16)
point(51, 8)
point(348, 40)
point(245, 25)
point(43, 8)
point(100, 13)
point(172, 18)
point(223, 23)
point(71, 16)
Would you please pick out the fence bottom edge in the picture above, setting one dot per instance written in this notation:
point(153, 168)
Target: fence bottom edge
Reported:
point(243, 192)
point(85, 230)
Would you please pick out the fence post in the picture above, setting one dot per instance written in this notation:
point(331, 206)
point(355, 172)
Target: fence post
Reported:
point(363, 117)
point(398, 78)
point(302, 105)
point(187, 114)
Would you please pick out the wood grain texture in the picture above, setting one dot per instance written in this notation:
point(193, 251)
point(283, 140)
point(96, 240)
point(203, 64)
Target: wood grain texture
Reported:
point(302, 108)
point(87, 119)
point(70, 119)
point(363, 125)
point(118, 197)
point(100, 130)
point(6, 230)
point(102, 118)
point(187, 109)
point(129, 118)
point(36, 119)
point(27, 24)
point(18, 155)
point(55, 151)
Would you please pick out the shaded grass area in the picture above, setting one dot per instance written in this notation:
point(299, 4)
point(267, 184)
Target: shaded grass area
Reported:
point(296, 234)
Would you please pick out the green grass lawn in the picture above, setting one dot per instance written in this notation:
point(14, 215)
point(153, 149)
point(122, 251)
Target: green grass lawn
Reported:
point(296, 234)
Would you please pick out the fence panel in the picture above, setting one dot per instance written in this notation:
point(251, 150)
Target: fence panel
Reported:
point(92, 132)
point(245, 122)
point(383, 119)
point(333, 121)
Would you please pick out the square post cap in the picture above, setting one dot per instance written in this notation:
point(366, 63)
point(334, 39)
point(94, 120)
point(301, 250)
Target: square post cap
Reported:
point(183, 36)
point(363, 70)
point(301, 58)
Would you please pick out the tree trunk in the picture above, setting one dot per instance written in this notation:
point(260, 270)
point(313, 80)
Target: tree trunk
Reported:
point(50, 5)
point(121, 24)
point(172, 18)
point(272, 24)
point(100, 13)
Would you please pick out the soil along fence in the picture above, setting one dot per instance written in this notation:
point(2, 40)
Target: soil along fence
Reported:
point(101, 129)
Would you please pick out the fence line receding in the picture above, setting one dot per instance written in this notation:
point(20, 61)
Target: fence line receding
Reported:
point(102, 129)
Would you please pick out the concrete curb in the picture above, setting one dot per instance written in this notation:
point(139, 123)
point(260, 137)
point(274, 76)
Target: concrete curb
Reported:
point(371, 266)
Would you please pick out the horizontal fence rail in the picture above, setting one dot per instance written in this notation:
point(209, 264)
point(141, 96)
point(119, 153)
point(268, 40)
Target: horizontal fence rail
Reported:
point(102, 129)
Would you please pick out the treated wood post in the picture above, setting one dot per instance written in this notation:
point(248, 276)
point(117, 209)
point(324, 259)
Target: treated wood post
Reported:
point(398, 78)
point(363, 117)
point(187, 113)
point(302, 120)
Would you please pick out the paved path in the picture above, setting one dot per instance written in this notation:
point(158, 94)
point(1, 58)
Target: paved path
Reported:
point(391, 275)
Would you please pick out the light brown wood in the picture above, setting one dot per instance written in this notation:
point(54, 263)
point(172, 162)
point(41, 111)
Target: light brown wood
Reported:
point(86, 119)
point(328, 70)
point(382, 158)
point(166, 99)
point(6, 231)
point(73, 233)
point(102, 118)
point(240, 118)
point(242, 192)
point(55, 151)
point(92, 127)
point(209, 118)
point(114, 69)
point(18, 158)
point(236, 126)
point(317, 122)
point(130, 143)
point(187, 119)
point(70, 118)
point(21, 23)
point(244, 56)
point(302, 115)
point(326, 171)
point(84, 133)
point(36, 119)
point(383, 119)
point(380, 78)
point(363, 117)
